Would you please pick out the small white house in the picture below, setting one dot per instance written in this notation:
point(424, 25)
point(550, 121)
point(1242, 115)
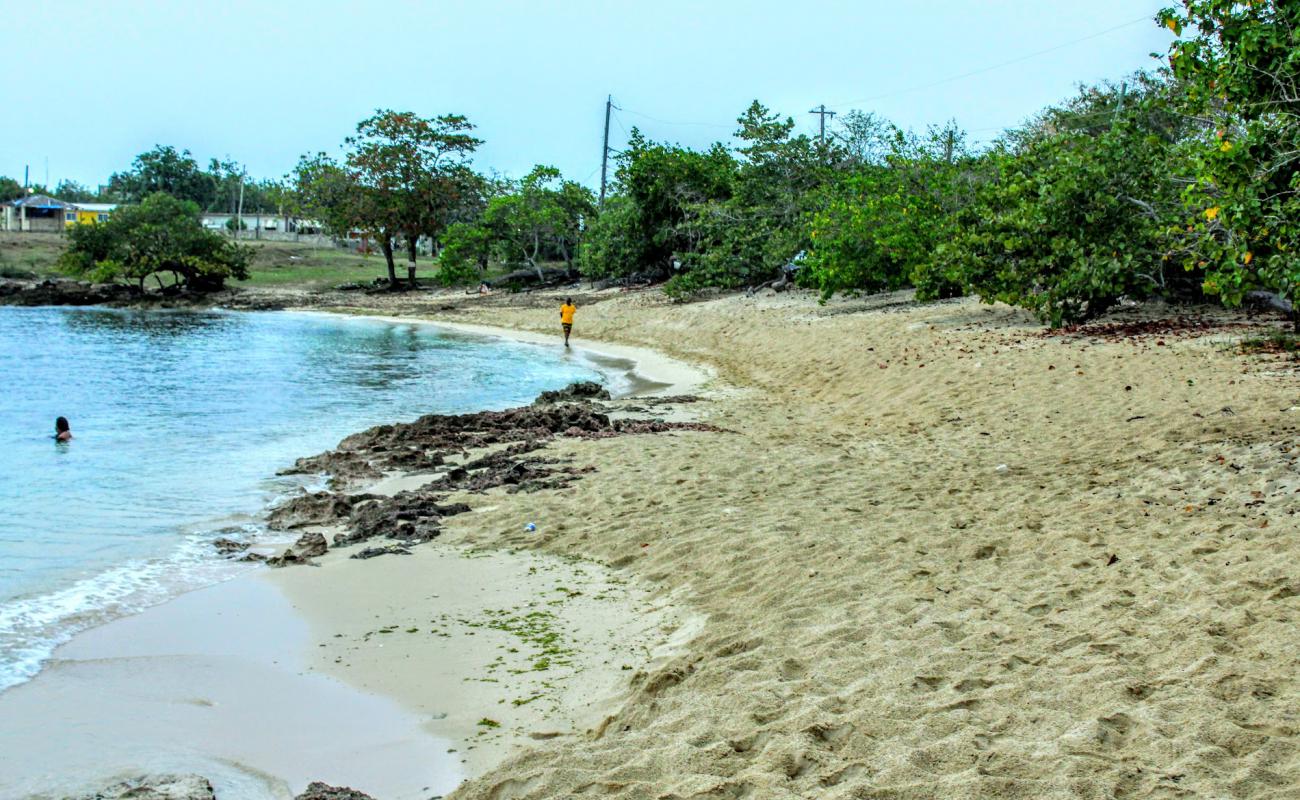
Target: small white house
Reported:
point(251, 221)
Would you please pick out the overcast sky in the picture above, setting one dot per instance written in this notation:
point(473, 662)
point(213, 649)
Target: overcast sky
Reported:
point(88, 85)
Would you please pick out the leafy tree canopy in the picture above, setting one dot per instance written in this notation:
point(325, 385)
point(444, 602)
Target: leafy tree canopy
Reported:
point(161, 235)
point(1240, 65)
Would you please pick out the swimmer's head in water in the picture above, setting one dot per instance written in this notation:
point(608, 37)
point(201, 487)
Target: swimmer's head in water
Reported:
point(61, 425)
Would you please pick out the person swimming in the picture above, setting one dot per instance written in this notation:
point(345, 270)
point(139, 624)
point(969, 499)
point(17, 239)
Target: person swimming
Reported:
point(62, 431)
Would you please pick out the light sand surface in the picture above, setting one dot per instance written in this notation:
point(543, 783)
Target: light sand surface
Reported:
point(939, 554)
point(215, 682)
point(496, 651)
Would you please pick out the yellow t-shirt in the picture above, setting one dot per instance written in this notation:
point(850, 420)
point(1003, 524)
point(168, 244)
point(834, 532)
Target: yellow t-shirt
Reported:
point(566, 314)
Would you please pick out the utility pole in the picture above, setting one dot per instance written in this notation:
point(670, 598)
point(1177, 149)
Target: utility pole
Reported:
point(604, 150)
point(822, 113)
point(949, 141)
point(239, 215)
point(22, 210)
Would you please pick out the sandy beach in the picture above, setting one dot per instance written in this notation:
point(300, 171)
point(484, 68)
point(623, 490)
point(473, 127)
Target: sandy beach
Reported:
point(941, 554)
point(936, 552)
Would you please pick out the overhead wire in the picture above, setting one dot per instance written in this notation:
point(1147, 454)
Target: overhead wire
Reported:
point(991, 67)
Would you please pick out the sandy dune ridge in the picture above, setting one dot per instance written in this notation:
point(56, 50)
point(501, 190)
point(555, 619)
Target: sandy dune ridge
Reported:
point(940, 555)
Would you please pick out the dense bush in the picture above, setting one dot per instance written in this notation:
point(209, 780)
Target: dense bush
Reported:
point(613, 245)
point(466, 248)
point(161, 235)
point(881, 222)
point(1075, 210)
point(1240, 66)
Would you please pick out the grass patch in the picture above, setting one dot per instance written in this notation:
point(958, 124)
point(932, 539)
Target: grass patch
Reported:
point(30, 255)
point(1278, 341)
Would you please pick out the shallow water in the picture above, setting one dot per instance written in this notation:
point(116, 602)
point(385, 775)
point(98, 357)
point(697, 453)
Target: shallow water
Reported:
point(180, 421)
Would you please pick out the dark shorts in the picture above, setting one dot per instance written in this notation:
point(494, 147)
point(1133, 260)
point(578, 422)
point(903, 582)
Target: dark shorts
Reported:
point(568, 326)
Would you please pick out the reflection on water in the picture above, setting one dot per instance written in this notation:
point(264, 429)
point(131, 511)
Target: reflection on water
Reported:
point(181, 420)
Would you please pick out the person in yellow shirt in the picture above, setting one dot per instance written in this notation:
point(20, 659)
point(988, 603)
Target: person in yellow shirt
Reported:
point(566, 318)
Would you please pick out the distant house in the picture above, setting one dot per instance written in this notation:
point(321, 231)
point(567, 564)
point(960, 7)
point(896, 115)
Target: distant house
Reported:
point(255, 225)
point(252, 221)
point(40, 213)
point(89, 212)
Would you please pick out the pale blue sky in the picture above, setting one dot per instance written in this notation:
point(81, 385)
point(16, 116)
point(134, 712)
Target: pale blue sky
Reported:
point(89, 85)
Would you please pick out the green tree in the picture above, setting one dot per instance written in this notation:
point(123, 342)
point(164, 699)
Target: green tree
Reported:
point(1075, 209)
point(614, 244)
point(1240, 63)
point(863, 138)
point(543, 217)
point(10, 189)
point(161, 235)
point(882, 221)
point(748, 237)
point(73, 192)
point(663, 185)
point(414, 172)
point(466, 249)
point(164, 169)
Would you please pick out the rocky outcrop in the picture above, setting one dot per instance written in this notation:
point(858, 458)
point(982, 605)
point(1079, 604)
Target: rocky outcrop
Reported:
point(163, 787)
point(59, 292)
point(416, 516)
point(228, 547)
point(66, 292)
point(390, 550)
point(574, 392)
point(323, 791)
point(411, 517)
point(318, 508)
point(309, 546)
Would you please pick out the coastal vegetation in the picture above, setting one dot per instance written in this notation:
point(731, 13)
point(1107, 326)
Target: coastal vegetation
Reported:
point(162, 235)
point(1180, 184)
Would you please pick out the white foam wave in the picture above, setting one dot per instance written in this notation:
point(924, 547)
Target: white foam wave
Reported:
point(32, 627)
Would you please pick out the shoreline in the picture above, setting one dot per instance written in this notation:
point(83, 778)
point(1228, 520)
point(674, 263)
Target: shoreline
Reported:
point(647, 372)
point(940, 552)
point(106, 654)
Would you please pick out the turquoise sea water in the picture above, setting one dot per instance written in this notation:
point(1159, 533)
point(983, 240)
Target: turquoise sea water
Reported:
point(180, 421)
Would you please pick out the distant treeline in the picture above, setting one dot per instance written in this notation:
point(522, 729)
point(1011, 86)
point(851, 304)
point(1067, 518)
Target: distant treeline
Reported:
point(1180, 184)
point(165, 169)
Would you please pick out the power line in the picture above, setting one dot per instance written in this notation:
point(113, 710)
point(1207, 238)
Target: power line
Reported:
point(671, 122)
point(992, 67)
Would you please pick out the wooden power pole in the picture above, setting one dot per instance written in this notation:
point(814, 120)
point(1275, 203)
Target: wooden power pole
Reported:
point(604, 150)
point(822, 113)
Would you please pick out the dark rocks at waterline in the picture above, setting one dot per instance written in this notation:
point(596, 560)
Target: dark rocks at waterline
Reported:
point(416, 516)
point(160, 787)
point(228, 547)
point(390, 550)
point(412, 516)
point(309, 546)
point(503, 468)
point(67, 292)
point(318, 508)
point(580, 390)
point(424, 443)
point(61, 293)
point(323, 791)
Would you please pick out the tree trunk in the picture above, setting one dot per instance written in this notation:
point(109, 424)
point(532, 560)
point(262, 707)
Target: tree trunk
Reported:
point(386, 242)
point(410, 264)
point(532, 259)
